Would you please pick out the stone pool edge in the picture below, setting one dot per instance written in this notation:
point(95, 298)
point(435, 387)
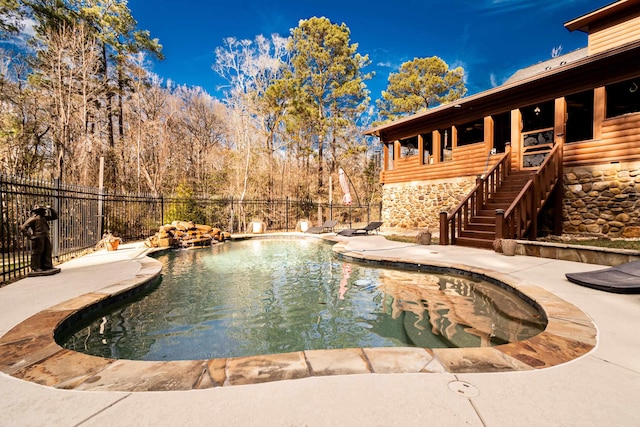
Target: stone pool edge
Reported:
point(29, 351)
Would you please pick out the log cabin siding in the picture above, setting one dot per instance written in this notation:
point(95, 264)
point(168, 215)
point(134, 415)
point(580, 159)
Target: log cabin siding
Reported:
point(615, 139)
point(611, 35)
point(469, 160)
point(620, 141)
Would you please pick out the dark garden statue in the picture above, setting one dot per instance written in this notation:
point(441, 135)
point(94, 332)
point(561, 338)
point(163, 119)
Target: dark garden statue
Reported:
point(36, 227)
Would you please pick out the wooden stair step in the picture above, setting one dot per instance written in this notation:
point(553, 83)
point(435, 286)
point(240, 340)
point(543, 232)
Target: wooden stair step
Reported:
point(478, 226)
point(519, 174)
point(480, 230)
point(487, 219)
point(509, 190)
point(477, 234)
point(500, 202)
point(514, 182)
point(474, 243)
point(487, 213)
point(493, 207)
point(506, 192)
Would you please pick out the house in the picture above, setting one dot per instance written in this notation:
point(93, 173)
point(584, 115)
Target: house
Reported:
point(554, 150)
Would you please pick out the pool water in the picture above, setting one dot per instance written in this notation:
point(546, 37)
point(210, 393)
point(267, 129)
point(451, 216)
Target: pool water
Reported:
point(266, 296)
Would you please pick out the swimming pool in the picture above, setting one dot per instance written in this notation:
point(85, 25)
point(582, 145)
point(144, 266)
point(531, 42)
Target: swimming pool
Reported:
point(31, 352)
point(266, 296)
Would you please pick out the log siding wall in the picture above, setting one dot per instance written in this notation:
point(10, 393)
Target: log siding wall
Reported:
point(467, 160)
point(615, 139)
point(619, 141)
point(612, 35)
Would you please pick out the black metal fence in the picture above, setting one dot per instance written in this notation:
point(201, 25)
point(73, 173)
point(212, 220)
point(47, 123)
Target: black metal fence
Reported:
point(86, 212)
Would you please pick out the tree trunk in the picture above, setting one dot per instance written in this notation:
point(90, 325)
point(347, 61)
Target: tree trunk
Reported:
point(120, 95)
point(112, 168)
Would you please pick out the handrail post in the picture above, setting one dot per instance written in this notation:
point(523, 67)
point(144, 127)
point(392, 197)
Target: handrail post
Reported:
point(444, 233)
point(499, 223)
point(507, 169)
point(534, 215)
point(479, 202)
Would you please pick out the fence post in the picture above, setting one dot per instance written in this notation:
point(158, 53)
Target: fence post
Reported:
point(161, 209)
point(101, 200)
point(286, 213)
point(55, 250)
point(231, 215)
point(3, 245)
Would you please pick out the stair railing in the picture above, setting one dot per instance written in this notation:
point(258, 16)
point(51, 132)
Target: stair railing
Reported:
point(452, 223)
point(520, 218)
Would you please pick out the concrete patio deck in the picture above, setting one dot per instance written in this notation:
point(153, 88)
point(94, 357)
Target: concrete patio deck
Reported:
point(600, 387)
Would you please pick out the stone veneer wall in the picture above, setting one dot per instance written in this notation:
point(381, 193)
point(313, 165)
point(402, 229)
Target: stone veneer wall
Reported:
point(418, 204)
point(602, 200)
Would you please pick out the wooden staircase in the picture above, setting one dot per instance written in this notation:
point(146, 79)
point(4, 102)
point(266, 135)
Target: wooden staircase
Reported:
point(480, 231)
point(504, 204)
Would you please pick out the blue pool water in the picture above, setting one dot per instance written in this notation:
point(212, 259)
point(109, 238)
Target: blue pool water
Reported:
point(265, 296)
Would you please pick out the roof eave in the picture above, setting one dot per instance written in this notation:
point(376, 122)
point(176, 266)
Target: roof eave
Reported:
point(468, 102)
point(584, 22)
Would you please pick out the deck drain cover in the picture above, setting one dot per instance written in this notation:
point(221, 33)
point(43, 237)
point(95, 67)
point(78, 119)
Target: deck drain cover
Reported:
point(464, 389)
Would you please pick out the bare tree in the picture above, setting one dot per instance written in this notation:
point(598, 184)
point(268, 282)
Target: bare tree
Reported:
point(203, 128)
point(65, 75)
point(24, 148)
point(251, 67)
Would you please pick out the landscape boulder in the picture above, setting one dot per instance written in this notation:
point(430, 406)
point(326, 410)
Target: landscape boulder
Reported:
point(186, 234)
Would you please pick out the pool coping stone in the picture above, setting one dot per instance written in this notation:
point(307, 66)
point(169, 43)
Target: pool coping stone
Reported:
point(29, 351)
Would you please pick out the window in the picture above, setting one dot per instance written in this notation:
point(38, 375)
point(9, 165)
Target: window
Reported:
point(470, 133)
point(446, 152)
point(623, 98)
point(538, 116)
point(579, 117)
point(409, 147)
point(390, 156)
point(427, 148)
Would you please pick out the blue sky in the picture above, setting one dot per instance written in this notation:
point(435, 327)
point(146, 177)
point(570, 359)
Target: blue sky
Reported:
point(490, 39)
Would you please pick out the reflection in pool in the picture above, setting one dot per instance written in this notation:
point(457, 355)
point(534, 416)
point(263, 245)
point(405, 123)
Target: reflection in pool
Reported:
point(265, 296)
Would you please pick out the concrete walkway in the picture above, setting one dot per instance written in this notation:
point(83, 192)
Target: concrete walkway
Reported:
point(600, 388)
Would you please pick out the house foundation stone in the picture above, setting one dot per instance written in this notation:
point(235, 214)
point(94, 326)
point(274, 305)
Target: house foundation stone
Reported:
point(602, 200)
point(417, 205)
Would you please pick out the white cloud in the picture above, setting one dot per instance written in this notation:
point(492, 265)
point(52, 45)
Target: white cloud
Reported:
point(29, 27)
point(458, 63)
point(493, 79)
point(27, 31)
point(493, 7)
